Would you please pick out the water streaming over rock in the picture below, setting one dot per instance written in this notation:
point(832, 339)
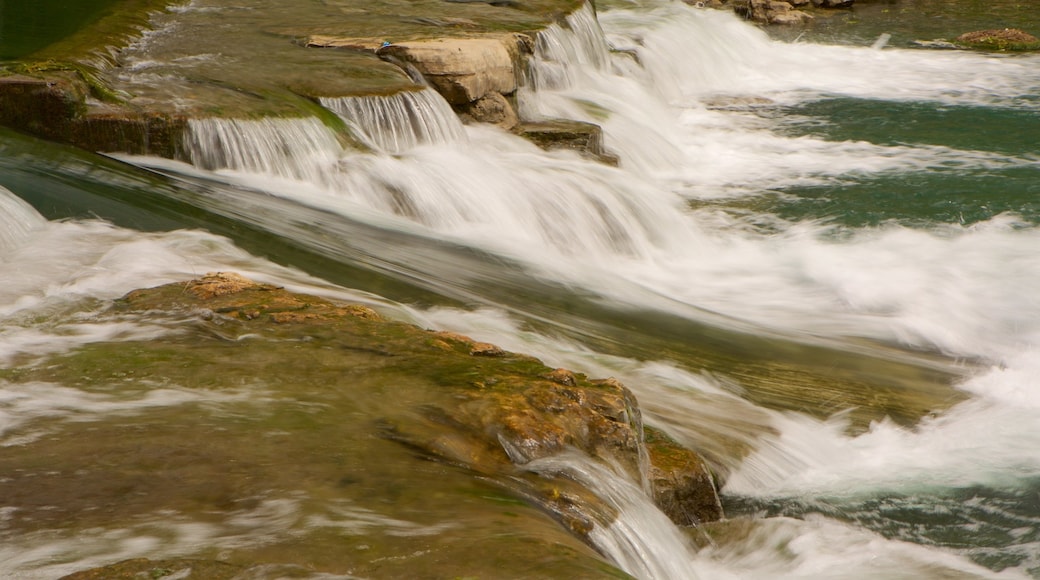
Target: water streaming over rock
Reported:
point(17, 220)
point(640, 539)
point(732, 145)
point(302, 149)
point(399, 122)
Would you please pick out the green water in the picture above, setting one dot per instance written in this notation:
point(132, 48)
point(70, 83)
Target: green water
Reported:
point(953, 190)
point(30, 25)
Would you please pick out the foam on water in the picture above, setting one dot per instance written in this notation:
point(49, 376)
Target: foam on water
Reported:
point(819, 547)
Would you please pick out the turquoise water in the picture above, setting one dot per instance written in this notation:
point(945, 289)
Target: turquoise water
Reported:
point(949, 191)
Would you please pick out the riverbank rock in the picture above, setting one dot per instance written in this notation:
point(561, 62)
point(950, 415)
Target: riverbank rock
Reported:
point(500, 410)
point(1005, 39)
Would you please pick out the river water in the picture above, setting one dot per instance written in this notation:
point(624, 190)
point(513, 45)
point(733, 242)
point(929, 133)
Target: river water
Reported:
point(817, 262)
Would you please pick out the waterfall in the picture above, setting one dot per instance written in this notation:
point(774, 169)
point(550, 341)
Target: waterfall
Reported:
point(302, 149)
point(574, 75)
point(562, 49)
point(641, 540)
point(401, 121)
point(17, 220)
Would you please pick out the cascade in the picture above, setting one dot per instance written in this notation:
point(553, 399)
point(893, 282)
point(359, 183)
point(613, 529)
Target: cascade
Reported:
point(561, 50)
point(574, 75)
point(17, 220)
point(641, 540)
point(302, 149)
point(401, 121)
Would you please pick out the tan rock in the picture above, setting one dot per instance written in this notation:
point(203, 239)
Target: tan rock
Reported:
point(462, 69)
point(492, 108)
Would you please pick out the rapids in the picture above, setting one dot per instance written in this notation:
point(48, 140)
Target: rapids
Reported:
point(813, 263)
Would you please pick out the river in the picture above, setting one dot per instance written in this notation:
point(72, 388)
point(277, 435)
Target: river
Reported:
point(817, 262)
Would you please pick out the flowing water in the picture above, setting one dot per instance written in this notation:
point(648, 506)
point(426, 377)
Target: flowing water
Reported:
point(817, 263)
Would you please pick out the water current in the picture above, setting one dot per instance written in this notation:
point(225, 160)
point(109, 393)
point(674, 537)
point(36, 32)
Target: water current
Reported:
point(815, 262)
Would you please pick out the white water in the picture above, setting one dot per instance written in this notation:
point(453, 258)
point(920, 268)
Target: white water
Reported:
point(627, 234)
point(399, 122)
point(641, 540)
point(17, 220)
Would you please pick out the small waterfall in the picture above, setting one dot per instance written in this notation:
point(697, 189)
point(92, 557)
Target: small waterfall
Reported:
point(641, 540)
point(573, 75)
point(560, 50)
point(17, 220)
point(302, 149)
point(401, 121)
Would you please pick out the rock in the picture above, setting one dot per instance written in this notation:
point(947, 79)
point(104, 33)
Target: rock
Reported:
point(1002, 39)
point(832, 3)
point(370, 45)
point(498, 409)
point(682, 484)
point(462, 69)
point(585, 138)
point(772, 12)
point(492, 108)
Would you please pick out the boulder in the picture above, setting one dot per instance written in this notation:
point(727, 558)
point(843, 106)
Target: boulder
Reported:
point(463, 70)
point(492, 108)
point(683, 486)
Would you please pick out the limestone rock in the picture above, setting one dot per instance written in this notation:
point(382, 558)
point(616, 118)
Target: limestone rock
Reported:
point(462, 69)
point(492, 108)
point(585, 138)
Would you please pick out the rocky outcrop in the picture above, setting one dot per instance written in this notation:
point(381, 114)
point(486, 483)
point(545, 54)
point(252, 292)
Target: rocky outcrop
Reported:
point(509, 411)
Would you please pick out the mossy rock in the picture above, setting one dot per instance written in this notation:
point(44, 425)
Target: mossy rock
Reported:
point(1003, 40)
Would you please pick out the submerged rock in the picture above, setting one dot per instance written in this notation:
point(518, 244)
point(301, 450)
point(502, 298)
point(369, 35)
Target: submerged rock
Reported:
point(585, 138)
